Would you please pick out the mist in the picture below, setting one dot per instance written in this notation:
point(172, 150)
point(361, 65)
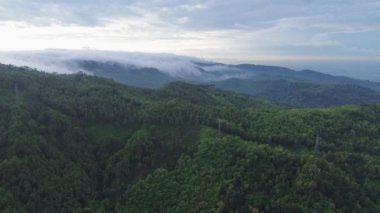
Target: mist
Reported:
point(61, 61)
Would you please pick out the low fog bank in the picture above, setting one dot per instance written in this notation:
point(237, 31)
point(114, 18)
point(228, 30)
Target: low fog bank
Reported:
point(66, 61)
point(63, 61)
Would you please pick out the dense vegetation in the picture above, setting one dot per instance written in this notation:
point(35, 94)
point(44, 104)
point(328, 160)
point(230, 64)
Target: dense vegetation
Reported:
point(76, 143)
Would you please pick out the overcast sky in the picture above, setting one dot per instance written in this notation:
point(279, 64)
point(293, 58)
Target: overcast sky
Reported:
point(282, 31)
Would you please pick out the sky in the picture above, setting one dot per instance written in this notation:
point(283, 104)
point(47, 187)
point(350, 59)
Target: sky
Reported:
point(333, 35)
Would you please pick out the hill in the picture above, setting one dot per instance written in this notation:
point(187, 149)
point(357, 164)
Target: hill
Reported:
point(78, 143)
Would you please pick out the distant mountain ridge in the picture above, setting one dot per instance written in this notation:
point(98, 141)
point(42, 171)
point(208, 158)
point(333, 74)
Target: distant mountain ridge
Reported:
point(301, 94)
point(304, 88)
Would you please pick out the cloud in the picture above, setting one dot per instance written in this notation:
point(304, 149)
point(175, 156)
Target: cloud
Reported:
point(194, 7)
point(64, 61)
point(183, 20)
point(144, 34)
point(241, 29)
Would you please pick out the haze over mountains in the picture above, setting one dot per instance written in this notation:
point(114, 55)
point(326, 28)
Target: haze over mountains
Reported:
point(305, 88)
point(69, 61)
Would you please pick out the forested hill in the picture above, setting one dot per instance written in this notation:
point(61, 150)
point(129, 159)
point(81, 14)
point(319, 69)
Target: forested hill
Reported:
point(77, 143)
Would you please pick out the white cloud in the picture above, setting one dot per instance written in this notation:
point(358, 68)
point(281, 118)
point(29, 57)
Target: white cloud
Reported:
point(183, 20)
point(63, 61)
point(146, 34)
point(194, 7)
point(248, 29)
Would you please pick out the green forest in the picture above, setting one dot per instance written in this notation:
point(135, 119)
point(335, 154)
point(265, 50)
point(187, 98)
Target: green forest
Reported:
point(79, 143)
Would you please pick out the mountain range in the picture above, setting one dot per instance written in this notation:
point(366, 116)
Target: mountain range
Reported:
point(304, 88)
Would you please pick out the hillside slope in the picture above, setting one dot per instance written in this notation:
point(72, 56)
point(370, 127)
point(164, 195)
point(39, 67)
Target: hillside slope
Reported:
point(77, 143)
